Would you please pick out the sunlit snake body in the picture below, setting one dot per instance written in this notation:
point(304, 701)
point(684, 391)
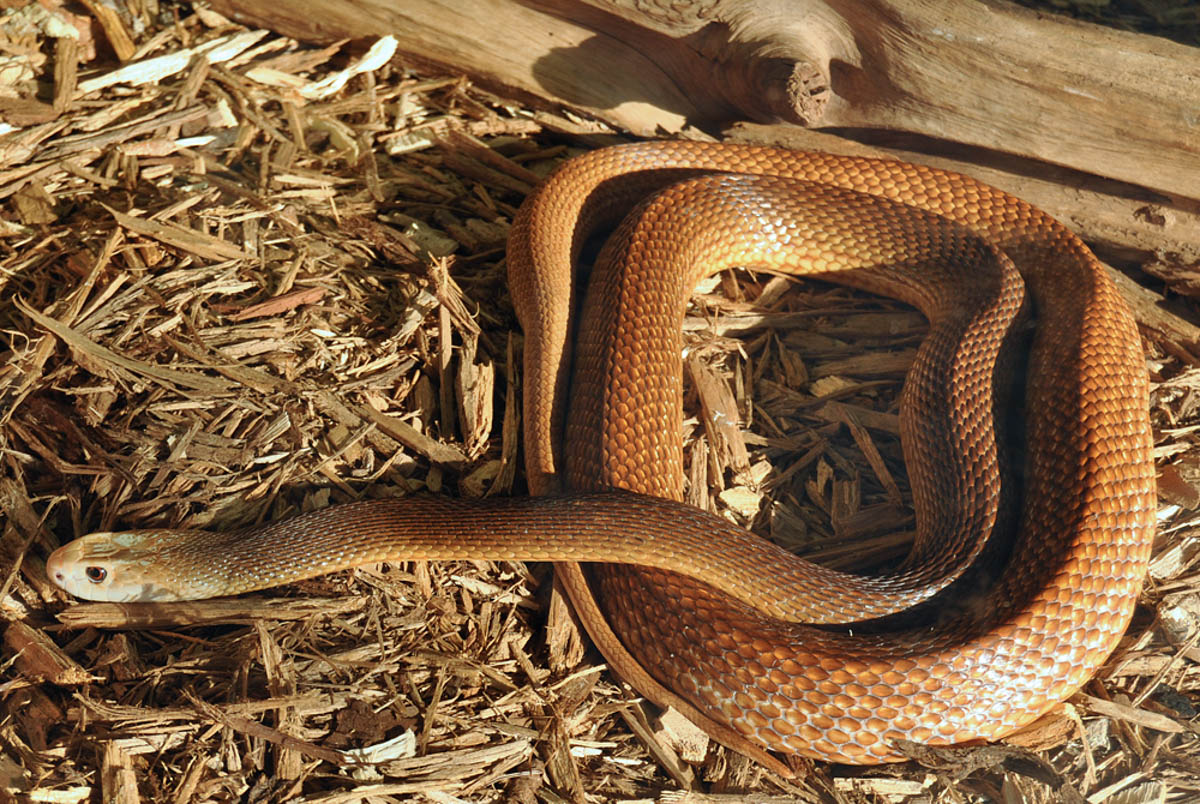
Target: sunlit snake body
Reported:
point(742, 668)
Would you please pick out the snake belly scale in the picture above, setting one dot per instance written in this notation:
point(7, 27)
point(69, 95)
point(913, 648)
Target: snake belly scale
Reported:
point(739, 653)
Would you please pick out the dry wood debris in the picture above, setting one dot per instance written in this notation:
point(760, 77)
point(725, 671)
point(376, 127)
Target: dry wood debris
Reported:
point(242, 278)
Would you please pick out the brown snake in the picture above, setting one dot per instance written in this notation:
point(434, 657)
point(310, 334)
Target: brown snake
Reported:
point(731, 653)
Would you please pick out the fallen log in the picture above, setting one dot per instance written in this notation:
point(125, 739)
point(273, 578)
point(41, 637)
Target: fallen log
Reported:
point(986, 74)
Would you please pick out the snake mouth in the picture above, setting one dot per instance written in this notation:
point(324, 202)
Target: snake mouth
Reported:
point(60, 560)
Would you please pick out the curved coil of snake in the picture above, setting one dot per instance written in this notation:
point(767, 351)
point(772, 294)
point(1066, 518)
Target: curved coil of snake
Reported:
point(701, 615)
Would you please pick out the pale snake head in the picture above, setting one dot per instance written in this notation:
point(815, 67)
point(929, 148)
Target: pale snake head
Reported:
point(121, 567)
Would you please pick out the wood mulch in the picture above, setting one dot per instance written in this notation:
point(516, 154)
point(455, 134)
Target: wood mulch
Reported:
point(242, 278)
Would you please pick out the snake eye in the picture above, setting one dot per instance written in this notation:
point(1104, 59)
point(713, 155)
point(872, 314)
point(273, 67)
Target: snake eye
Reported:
point(96, 574)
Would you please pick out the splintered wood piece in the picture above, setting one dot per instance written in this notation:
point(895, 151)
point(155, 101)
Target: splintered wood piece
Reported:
point(39, 658)
point(719, 413)
point(118, 780)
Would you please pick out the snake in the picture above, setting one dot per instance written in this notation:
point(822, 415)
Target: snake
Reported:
point(1027, 563)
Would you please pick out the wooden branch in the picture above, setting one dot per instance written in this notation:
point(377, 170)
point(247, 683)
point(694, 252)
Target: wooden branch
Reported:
point(984, 73)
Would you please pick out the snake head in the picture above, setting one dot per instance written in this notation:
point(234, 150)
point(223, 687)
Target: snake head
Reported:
point(114, 567)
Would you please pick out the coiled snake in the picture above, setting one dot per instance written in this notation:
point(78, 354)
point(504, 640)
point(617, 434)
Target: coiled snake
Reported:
point(703, 616)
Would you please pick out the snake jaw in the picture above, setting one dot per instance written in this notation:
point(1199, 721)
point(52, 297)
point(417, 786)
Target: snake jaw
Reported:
point(104, 567)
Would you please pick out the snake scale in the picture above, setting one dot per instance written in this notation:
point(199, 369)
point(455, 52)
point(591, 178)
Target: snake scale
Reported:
point(689, 610)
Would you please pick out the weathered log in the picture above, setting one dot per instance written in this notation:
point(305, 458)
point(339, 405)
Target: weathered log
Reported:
point(984, 73)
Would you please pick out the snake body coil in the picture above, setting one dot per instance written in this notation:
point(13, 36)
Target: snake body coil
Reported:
point(730, 653)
